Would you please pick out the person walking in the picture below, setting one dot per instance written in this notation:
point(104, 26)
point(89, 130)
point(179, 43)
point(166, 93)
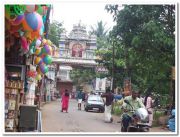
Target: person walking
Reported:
point(79, 99)
point(65, 101)
point(108, 105)
point(148, 104)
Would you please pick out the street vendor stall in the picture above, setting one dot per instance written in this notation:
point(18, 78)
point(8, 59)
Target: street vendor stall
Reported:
point(27, 56)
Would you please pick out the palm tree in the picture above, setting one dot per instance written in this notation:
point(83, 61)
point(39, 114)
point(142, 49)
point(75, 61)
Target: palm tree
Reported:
point(99, 30)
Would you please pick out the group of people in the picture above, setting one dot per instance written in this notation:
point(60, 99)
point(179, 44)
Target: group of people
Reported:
point(134, 100)
point(65, 100)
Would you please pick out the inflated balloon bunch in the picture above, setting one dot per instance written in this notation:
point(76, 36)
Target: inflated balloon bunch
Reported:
point(43, 51)
point(26, 22)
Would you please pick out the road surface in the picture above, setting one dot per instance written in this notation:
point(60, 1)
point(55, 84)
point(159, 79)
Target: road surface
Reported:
point(53, 120)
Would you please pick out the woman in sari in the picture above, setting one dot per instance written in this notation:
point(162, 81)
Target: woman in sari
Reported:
point(65, 101)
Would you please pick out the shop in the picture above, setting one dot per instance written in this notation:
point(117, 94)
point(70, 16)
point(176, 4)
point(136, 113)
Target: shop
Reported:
point(27, 57)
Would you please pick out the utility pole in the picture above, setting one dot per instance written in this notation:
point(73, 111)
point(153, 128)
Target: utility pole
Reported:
point(112, 88)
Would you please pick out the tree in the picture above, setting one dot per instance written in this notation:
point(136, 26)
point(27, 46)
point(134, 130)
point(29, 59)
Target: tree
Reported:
point(55, 29)
point(145, 34)
point(99, 30)
point(82, 76)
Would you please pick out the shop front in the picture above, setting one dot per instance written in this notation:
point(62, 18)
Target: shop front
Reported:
point(27, 56)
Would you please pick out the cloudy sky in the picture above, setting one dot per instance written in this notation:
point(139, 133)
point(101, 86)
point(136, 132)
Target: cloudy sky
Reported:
point(89, 13)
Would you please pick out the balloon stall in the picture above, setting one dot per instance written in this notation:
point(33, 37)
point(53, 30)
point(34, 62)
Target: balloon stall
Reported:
point(26, 23)
point(24, 41)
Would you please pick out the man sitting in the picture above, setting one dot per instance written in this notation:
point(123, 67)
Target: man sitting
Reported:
point(135, 103)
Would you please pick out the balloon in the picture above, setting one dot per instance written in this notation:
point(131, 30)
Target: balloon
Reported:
point(47, 50)
point(32, 22)
point(38, 60)
point(38, 70)
point(31, 51)
point(18, 20)
point(38, 43)
point(47, 60)
point(40, 10)
point(49, 42)
point(19, 9)
point(38, 51)
point(24, 44)
point(43, 68)
point(12, 11)
point(35, 34)
point(38, 77)
point(30, 8)
point(33, 43)
point(44, 41)
point(9, 13)
point(41, 32)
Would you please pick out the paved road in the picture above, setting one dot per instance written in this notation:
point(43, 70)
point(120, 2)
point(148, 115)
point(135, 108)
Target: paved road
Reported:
point(54, 120)
point(75, 120)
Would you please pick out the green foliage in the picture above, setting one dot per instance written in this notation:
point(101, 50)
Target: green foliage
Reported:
point(81, 75)
point(99, 30)
point(144, 44)
point(55, 29)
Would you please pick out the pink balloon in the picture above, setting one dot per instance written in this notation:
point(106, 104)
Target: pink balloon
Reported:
point(18, 20)
point(24, 44)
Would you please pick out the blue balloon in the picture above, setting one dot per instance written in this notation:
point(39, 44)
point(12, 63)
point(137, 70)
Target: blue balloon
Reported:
point(32, 20)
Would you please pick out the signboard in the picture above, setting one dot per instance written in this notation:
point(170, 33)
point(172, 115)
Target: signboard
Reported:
point(127, 86)
point(100, 84)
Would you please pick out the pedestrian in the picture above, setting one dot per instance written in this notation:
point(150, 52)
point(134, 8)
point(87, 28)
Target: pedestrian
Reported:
point(79, 99)
point(149, 106)
point(65, 101)
point(109, 97)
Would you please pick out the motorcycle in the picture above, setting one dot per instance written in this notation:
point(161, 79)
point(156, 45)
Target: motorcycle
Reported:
point(139, 120)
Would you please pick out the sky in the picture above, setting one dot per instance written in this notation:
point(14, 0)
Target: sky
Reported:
point(88, 13)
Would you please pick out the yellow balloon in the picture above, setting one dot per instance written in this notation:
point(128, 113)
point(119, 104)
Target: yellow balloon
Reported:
point(44, 41)
point(37, 51)
point(39, 71)
point(49, 42)
point(38, 60)
point(38, 77)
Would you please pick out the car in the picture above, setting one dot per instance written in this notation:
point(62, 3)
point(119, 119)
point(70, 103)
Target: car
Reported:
point(94, 102)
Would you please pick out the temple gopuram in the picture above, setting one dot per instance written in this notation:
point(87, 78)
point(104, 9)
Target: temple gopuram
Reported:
point(75, 51)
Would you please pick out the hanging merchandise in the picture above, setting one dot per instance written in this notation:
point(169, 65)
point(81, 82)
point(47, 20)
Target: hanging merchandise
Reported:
point(47, 50)
point(18, 20)
point(32, 22)
point(12, 11)
point(28, 53)
point(43, 68)
point(37, 60)
point(30, 8)
point(47, 60)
